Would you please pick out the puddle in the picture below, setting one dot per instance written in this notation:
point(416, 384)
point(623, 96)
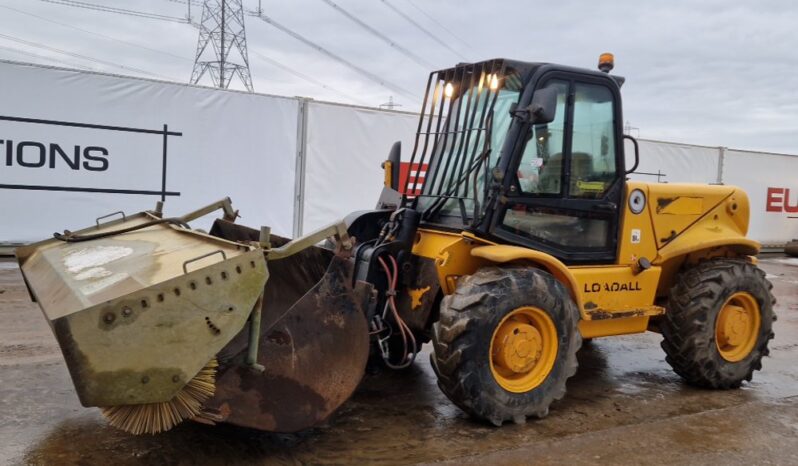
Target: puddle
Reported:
point(788, 261)
point(8, 265)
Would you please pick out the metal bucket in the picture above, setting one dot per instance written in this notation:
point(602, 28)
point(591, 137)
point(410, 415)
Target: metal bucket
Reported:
point(313, 341)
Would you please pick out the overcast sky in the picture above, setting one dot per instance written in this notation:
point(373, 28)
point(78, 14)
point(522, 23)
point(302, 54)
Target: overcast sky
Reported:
point(714, 72)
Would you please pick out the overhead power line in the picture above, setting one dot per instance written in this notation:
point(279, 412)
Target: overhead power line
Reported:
point(76, 65)
point(104, 36)
point(432, 18)
point(305, 77)
point(420, 61)
point(48, 59)
point(184, 2)
point(421, 28)
point(121, 11)
point(82, 57)
point(335, 57)
point(189, 4)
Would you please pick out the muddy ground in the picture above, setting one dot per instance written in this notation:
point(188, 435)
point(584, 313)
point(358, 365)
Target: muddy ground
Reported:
point(623, 406)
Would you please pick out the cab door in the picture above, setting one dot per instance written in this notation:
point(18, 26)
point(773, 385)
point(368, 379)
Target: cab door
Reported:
point(565, 180)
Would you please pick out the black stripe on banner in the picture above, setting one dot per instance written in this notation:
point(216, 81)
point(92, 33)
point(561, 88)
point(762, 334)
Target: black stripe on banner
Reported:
point(88, 190)
point(88, 125)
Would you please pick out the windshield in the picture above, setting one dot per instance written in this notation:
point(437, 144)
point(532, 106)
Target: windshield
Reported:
point(467, 144)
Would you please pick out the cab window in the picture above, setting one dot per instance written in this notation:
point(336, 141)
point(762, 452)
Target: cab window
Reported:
point(565, 164)
point(541, 167)
point(593, 162)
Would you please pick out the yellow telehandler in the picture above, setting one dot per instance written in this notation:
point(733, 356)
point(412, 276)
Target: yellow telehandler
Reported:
point(511, 235)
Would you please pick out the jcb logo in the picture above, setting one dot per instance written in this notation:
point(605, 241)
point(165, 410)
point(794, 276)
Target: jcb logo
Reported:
point(780, 200)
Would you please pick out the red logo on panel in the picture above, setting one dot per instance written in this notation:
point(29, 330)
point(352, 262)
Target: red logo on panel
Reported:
point(416, 178)
point(780, 200)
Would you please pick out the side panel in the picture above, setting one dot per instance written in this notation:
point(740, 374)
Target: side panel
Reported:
point(616, 302)
point(679, 219)
point(452, 253)
point(637, 238)
point(612, 300)
point(723, 227)
point(609, 327)
point(613, 292)
point(675, 207)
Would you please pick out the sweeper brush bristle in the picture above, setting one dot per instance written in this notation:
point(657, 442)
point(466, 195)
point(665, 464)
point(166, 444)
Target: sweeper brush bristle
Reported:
point(153, 418)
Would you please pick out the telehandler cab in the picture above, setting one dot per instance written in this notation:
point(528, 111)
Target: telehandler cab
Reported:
point(511, 235)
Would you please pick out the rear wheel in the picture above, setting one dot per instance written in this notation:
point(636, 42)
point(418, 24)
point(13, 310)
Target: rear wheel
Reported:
point(506, 343)
point(719, 322)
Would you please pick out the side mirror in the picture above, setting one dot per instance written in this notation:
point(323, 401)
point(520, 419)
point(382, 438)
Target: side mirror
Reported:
point(637, 153)
point(542, 110)
point(391, 166)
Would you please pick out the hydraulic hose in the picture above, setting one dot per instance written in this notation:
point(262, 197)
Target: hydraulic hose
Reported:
point(392, 274)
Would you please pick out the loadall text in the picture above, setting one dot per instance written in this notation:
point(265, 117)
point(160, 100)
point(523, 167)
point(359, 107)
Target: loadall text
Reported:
point(614, 286)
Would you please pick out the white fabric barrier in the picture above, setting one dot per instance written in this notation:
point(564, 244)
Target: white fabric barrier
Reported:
point(668, 162)
point(75, 145)
point(58, 171)
point(345, 149)
point(771, 181)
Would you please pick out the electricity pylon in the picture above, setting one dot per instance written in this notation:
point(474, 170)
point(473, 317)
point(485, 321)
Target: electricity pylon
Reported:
point(222, 27)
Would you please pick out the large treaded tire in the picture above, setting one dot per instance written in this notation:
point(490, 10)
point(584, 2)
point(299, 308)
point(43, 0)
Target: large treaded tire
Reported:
point(462, 338)
point(688, 328)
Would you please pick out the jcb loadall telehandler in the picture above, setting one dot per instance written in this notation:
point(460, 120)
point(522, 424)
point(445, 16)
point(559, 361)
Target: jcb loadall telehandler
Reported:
point(516, 236)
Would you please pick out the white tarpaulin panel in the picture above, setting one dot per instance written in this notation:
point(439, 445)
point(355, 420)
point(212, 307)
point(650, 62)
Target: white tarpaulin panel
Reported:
point(77, 145)
point(771, 181)
point(345, 148)
point(673, 163)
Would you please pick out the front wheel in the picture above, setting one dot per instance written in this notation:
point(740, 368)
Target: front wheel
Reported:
point(718, 323)
point(506, 343)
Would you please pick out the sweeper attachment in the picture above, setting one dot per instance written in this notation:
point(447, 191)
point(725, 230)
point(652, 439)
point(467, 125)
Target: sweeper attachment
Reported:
point(160, 323)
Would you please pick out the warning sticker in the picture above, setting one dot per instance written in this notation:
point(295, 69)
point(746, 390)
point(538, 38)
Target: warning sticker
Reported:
point(635, 236)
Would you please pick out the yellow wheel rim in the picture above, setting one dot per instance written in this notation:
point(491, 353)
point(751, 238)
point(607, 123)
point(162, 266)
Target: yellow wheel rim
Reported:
point(737, 327)
point(523, 349)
